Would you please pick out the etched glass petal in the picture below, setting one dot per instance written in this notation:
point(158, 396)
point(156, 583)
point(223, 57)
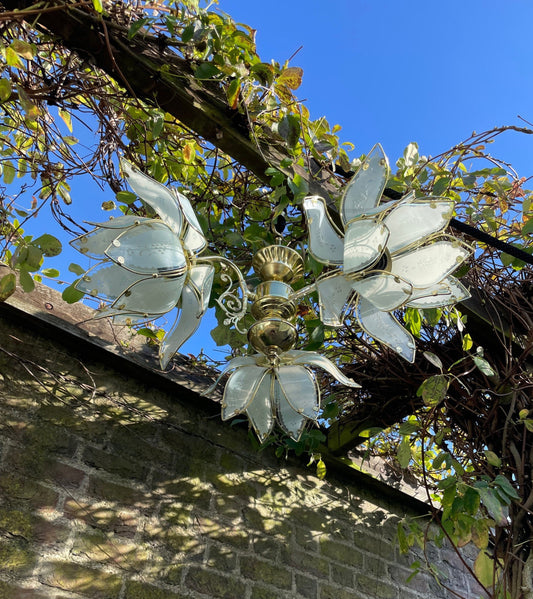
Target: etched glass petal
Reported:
point(241, 389)
point(151, 248)
point(151, 296)
point(194, 301)
point(325, 242)
point(383, 289)
point(412, 223)
point(107, 281)
point(383, 327)
point(450, 291)
point(316, 359)
point(231, 365)
point(428, 265)
point(95, 243)
point(290, 421)
point(364, 190)
point(364, 242)
point(194, 240)
point(159, 197)
point(297, 397)
point(260, 410)
point(121, 222)
point(333, 293)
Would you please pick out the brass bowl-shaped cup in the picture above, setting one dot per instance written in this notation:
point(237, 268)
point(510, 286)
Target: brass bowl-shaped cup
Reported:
point(272, 336)
point(278, 263)
point(272, 301)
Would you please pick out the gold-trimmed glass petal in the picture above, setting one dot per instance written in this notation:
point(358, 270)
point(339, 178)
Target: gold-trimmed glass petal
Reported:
point(364, 191)
point(151, 248)
point(241, 389)
point(383, 289)
point(297, 397)
point(121, 222)
point(334, 291)
point(325, 241)
point(94, 243)
point(260, 410)
point(107, 280)
point(194, 301)
point(411, 223)
point(155, 194)
point(231, 365)
point(151, 296)
point(364, 242)
point(428, 265)
point(383, 327)
point(316, 359)
point(194, 239)
point(449, 292)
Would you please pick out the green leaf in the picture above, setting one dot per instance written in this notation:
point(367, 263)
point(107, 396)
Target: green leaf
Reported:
point(146, 332)
point(49, 245)
point(529, 425)
point(207, 70)
point(435, 360)
point(76, 269)
point(320, 469)
point(408, 427)
point(8, 284)
point(187, 33)
point(5, 89)
point(503, 483)
point(26, 281)
point(50, 272)
point(492, 458)
point(289, 128)
point(527, 229)
point(483, 365)
point(291, 77)
point(467, 342)
point(135, 27)
point(98, 7)
point(433, 390)
point(71, 295)
point(493, 506)
point(9, 172)
point(402, 539)
point(484, 569)
point(404, 453)
point(523, 414)
point(471, 501)
point(316, 338)
point(126, 197)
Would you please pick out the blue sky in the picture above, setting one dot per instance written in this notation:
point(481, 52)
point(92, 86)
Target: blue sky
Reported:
point(392, 72)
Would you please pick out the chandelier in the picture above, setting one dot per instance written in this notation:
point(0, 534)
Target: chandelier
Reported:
point(385, 256)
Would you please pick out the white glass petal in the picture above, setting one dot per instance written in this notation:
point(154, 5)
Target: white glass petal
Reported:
point(383, 327)
point(364, 191)
point(159, 197)
point(120, 318)
point(334, 292)
point(383, 289)
point(150, 248)
point(364, 242)
point(121, 222)
point(95, 243)
point(194, 301)
point(260, 410)
point(325, 241)
point(107, 280)
point(241, 389)
point(300, 389)
point(151, 296)
point(194, 238)
point(293, 423)
point(450, 291)
point(316, 359)
point(412, 223)
point(430, 264)
point(231, 365)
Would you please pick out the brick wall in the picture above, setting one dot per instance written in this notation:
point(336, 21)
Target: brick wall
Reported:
point(116, 483)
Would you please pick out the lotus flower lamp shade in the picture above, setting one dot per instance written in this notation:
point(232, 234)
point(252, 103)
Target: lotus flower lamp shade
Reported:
point(386, 256)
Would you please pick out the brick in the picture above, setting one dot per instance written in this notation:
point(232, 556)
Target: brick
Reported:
point(221, 558)
point(261, 592)
point(65, 476)
point(15, 556)
point(340, 552)
point(88, 582)
point(188, 491)
point(121, 494)
point(13, 591)
point(399, 576)
point(306, 587)
point(141, 590)
point(99, 547)
point(342, 575)
point(305, 562)
point(101, 516)
point(213, 584)
point(383, 546)
point(267, 547)
point(267, 572)
point(328, 591)
point(22, 490)
point(132, 443)
point(374, 587)
point(113, 464)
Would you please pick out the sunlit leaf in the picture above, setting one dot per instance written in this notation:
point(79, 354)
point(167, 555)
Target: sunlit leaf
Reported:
point(8, 284)
point(291, 77)
point(483, 365)
point(320, 469)
point(49, 245)
point(492, 458)
point(484, 569)
point(26, 281)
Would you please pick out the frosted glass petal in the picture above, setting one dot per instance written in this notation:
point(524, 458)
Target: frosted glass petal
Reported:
point(159, 197)
point(428, 265)
point(316, 359)
point(95, 243)
point(241, 389)
point(412, 223)
point(364, 242)
point(107, 280)
point(450, 291)
point(293, 423)
point(231, 365)
point(333, 293)
point(120, 318)
point(151, 296)
point(325, 242)
point(121, 222)
point(194, 238)
point(261, 411)
point(383, 327)
point(300, 389)
point(194, 301)
point(383, 289)
point(151, 248)
point(364, 190)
